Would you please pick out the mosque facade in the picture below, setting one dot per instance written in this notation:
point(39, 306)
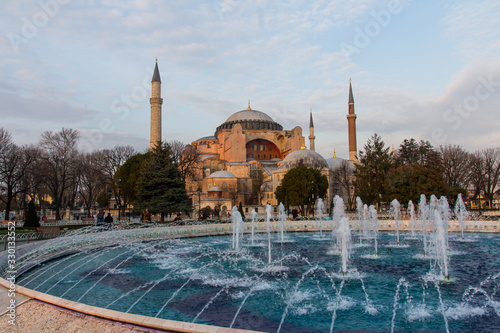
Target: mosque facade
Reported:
point(248, 155)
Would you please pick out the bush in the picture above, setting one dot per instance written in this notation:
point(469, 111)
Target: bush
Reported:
point(206, 212)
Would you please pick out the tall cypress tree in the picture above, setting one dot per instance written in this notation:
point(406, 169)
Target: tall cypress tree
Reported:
point(160, 187)
point(371, 172)
point(31, 217)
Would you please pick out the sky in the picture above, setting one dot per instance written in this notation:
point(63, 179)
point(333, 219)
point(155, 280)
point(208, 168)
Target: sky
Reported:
point(420, 69)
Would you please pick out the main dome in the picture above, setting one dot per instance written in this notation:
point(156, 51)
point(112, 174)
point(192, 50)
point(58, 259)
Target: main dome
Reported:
point(249, 115)
point(250, 120)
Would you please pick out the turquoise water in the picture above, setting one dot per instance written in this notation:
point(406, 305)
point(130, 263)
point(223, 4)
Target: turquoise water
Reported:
point(202, 280)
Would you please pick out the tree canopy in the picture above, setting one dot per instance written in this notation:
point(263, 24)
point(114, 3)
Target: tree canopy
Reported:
point(412, 153)
point(160, 187)
point(409, 182)
point(371, 172)
point(129, 174)
point(300, 185)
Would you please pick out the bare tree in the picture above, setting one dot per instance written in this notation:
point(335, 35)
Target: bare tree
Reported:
point(491, 158)
point(258, 176)
point(110, 160)
point(232, 193)
point(34, 178)
point(476, 173)
point(59, 152)
point(14, 161)
point(455, 165)
point(186, 157)
point(343, 175)
point(92, 179)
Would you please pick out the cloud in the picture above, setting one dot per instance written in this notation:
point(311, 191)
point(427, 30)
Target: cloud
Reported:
point(41, 107)
point(215, 55)
point(470, 25)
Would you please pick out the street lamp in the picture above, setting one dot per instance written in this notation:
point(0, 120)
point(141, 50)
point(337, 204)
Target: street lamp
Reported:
point(312, 196)
point(119, 182)
point(199, 202)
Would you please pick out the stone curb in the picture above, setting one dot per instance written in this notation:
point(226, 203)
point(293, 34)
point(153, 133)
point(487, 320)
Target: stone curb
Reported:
point(137, 320)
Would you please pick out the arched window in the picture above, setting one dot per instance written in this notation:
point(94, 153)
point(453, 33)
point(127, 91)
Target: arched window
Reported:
point(212, 166)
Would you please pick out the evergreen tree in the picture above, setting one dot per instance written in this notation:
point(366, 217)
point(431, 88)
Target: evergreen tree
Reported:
point(412, 153)
point(240, 209)
point(103, 200)
point(160, 187)
point(371, 172)
point(32, 219)
point(409, 182)
point(301, 186)
point(129, 174)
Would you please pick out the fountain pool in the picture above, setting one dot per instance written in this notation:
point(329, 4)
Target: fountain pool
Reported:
point(203, 280)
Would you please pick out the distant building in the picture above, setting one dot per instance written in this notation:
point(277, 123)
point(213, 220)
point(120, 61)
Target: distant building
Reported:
point(249, 154)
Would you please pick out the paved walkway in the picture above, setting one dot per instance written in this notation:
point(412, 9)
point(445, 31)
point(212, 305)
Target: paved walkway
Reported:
point(35, 316)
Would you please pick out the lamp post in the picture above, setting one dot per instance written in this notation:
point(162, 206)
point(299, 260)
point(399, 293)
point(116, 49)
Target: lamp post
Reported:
point(199, 202)
point(119, 182)
point(312, 197)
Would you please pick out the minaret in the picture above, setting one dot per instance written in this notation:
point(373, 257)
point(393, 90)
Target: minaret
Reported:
point(156, 102)
point(351, 121)
point(311, 131)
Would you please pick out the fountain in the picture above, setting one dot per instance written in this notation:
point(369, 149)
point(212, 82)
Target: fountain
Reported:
point(366, 227)
point(238, 228)
point(461, 212)
point(269, 214)
point(344, 242)
point(396, 213)
point(440, 244)
point(411, 212)
point(373, 221)
point(253, 213)
point(423, 212)
point(359, 211)
point(320, 207)
point(282, 219)
point(186, 273)
point(445, 212)
point(337, 215)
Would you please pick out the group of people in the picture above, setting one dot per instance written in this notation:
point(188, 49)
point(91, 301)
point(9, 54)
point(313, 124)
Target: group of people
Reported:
point(107, 221)
point(102, 221)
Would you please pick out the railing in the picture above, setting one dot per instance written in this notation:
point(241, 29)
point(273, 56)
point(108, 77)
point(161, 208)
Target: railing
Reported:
point(124, 232)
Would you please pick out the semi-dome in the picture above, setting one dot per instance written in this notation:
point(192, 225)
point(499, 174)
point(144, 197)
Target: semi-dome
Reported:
point(305, 157)
point(222, 174)
point(250, 120)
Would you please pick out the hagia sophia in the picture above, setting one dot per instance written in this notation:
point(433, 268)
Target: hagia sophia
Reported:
point(248, 150)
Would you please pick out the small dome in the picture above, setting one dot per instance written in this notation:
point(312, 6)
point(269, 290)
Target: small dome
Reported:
point(222, 174)
point(206, 157)
point(334, 162)
point(266, 187)
point(214, 189)
point(306, 157)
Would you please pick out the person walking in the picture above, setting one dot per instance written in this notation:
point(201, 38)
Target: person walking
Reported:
point(100, 218)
